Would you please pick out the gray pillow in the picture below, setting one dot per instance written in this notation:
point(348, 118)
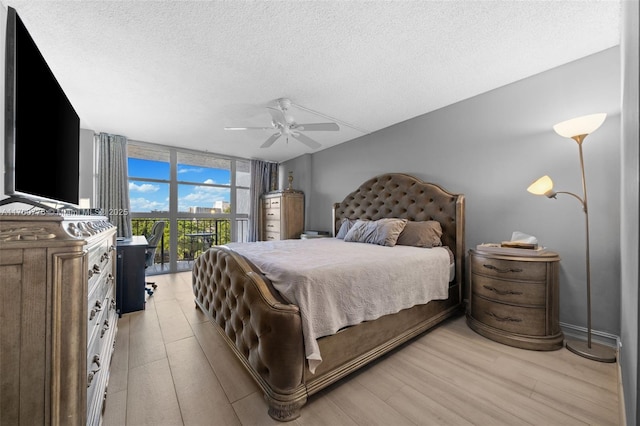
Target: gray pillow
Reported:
point(344, 228)
point(383, 232)
point(421, 234)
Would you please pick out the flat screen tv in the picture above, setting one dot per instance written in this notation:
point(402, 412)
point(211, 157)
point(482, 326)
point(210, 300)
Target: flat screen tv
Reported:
point(42, 129)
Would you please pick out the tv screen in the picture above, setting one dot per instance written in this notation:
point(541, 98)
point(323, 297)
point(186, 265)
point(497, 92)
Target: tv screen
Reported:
point(42, 129)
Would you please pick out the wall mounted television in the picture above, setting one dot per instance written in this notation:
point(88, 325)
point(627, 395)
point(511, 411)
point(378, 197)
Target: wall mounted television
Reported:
point(42, 129)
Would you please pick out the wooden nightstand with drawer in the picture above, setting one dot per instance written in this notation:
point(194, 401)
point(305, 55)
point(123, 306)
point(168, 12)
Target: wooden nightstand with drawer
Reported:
point(515, 299)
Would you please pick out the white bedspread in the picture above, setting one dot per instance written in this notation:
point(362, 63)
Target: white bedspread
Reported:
point(337, 283)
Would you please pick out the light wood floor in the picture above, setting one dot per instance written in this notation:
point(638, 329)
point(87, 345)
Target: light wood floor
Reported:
point(170, 367)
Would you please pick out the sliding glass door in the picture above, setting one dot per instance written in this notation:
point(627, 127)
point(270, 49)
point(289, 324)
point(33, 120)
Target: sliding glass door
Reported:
point(203, 198)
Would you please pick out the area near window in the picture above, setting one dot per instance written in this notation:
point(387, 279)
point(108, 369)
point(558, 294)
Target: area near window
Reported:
point(204, 199)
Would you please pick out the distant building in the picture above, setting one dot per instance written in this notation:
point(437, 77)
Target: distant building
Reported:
point(218, 207)
point(206, 210)
point(221, 206)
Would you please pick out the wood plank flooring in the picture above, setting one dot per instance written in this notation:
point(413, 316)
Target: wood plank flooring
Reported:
point(170, 367)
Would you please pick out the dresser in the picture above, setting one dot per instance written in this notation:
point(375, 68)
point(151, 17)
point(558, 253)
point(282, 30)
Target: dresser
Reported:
point(282, 215)
point(515, 299)
point(58, 317)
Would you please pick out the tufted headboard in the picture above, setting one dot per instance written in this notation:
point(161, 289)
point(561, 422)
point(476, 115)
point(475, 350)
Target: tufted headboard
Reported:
point(397, 195)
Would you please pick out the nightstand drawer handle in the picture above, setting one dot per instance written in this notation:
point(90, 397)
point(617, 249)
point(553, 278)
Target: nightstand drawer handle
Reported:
point(503, 319)
point(502, 292)
point(502, 271)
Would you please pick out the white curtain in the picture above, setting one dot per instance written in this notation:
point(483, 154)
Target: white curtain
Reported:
point(113, 186)
point(264, 178)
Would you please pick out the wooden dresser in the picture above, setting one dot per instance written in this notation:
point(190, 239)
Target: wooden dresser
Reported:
point(57, 318)
point(515, 299)
point(282, 215)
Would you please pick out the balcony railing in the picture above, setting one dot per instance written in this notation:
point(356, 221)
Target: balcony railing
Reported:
point(194, 237)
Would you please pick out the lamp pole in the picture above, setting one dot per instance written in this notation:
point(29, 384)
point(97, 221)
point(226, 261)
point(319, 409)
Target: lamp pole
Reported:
point(578, 129)
point(591, 350)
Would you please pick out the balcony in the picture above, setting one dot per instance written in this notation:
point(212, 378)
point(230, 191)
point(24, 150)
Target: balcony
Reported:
point(194, 236)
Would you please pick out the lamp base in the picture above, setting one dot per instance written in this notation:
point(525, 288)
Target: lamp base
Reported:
point(596, 352)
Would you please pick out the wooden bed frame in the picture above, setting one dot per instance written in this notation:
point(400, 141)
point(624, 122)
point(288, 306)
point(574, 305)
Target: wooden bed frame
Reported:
point(265, 331)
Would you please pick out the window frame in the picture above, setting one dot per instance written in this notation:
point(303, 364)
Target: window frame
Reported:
point(173, 215)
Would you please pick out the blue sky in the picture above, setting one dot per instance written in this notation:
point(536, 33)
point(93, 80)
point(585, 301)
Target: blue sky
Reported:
point(149, 196)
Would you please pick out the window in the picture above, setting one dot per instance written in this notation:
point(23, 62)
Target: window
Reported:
point(203, 197)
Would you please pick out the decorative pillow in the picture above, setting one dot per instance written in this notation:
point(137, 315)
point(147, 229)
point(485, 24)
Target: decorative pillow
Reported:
point(383, 232)
point(421, 234)
point(344, 228)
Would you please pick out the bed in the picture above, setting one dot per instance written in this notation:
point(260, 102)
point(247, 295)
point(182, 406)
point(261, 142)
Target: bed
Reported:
point(267, 331)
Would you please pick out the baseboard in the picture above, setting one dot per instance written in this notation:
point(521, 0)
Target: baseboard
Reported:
point(621, 406)
point(580, 333)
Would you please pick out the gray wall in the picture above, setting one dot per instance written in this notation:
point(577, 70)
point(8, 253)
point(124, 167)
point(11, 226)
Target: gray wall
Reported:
point(490, 148)
point(629, 209)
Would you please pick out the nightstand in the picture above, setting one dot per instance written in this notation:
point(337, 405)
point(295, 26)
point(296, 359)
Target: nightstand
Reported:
point(514, 300)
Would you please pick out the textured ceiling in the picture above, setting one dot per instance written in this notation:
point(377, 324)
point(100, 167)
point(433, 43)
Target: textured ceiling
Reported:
point(178, 72)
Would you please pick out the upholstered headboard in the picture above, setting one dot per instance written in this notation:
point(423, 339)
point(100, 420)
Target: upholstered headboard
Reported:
point(398, 195)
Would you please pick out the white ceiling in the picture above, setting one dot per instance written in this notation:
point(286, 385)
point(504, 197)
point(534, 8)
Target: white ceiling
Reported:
point(177, 72)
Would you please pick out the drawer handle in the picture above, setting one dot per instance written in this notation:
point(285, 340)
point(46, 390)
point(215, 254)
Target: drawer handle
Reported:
point(105, 327)
point(92, 374)
point(502, 271)
point(270, 214)
point(502, 292)
point(96, 308)
point(96, 268)
point(96, 360)
point(270, 226)
point(503, 319)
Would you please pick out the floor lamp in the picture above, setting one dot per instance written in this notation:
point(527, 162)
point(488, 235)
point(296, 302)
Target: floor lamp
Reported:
point(578, 129)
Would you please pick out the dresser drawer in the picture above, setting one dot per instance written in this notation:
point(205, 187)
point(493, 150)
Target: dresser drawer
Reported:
point(272, 236)
point(509, 269)
point(100, 290)
point(514, 319)
point(272, 214)
point(274, 203)
point(272, 226)
point(522, 293)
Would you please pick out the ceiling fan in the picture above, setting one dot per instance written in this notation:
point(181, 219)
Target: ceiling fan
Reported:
point(285, 125)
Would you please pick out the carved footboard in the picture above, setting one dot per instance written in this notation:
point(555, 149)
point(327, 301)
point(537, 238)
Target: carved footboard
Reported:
point(264, 331)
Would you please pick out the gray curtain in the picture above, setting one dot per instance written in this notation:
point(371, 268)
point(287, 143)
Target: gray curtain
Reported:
point(113, 185)
point(264, 178)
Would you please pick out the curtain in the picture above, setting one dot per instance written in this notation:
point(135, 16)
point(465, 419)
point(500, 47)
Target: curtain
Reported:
point(264, 178)
point(113, 186)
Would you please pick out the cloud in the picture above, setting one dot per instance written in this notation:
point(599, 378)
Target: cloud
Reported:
point(190, 170)
point(145, 187)
point(145, 205)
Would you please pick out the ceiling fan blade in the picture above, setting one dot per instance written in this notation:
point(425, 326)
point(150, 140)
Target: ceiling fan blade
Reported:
point(271, 140)
point(248, 128)
point(306, 140)
point(309, 127)
point(277, 115)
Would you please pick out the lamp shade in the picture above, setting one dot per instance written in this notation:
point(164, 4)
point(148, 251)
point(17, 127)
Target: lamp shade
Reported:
point(584, 125)
point(542, 186)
